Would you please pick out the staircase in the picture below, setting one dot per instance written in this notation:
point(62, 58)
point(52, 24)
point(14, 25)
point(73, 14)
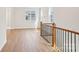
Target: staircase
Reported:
point(63, 40)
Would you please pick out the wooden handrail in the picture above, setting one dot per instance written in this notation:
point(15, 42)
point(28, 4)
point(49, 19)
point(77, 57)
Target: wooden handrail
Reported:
point(67, 30)
point(65, 35)
point(47, 23)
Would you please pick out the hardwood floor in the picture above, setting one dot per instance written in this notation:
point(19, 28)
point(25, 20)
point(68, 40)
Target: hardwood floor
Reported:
point(26, 40)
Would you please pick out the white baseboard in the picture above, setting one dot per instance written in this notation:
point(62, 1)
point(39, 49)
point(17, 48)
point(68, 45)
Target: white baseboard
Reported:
point(22, 28)
point(8, 27)
point(3, 44)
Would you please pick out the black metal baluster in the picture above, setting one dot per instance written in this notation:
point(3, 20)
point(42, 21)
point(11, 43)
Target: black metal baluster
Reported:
point(65, 41)
point(57, 38)
point(75, 42)
point(41, 29)
point(68, 41)
point(61, 40)
point(71, 41)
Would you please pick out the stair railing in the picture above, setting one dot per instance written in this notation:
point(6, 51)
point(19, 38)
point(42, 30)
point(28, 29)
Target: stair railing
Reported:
point(63, 39)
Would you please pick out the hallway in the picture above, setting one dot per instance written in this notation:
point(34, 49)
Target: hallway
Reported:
point(26, 40)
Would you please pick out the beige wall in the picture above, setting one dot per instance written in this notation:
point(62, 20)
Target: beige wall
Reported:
point(67, 17)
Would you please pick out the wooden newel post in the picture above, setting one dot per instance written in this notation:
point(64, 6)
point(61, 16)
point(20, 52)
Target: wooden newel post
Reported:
point(40, 28)
point(54, 35)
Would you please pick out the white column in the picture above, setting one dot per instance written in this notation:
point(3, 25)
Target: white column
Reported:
point(8, 17)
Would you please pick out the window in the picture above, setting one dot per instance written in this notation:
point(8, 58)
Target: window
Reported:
point(30, 15)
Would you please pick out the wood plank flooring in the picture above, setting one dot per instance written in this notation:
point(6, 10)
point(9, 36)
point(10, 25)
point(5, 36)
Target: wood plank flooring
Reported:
point(26, 40)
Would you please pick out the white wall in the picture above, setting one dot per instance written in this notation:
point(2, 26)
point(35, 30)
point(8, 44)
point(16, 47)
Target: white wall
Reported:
point(45, 14)
point(2, 27)
point(18, 18)
point(67, 17)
